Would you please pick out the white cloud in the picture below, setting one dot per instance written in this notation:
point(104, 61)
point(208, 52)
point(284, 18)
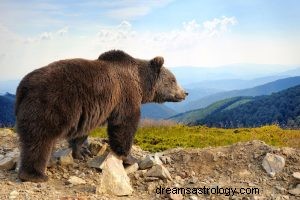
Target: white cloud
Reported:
point(218, 25)
point(48, 35)
point(209, 43)
point(63, 31)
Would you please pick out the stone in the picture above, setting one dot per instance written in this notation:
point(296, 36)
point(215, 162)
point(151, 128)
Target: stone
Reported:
point(97, 161)
point(63, 157)
point(193, 180)
point(157, 159)
point(7, 163)
point(166, 159)
point(13, 195)
point(151, 186)
point(74, 180)
point(159, 171)
point(193, 197)
point(1, 156)
point(149, 161)
point(273, 164)
point(132, 168)
point(175, 196)
point(296, 175)
point(10, 159)
point(114, 179)
point(295, 191)
point(151, 179)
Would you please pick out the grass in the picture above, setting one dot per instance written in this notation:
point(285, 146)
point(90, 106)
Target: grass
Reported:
point(159, 138)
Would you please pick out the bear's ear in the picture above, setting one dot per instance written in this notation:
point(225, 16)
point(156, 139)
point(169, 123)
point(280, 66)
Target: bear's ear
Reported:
point(157, 62)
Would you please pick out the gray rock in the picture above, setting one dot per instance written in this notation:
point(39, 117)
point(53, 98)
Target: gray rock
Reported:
point(132, 168)
point(74, 180)
point(114, 179)
point(159, 171)
point(149, 161)
point(63, 156)
point(273, 164)
point(296, 175)
point(7, 163)
point(10, 159)
point(295, 191)
point(97, 161)
point(1, 156)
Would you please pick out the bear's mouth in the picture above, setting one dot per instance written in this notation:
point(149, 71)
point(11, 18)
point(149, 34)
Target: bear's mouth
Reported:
point(176, 99)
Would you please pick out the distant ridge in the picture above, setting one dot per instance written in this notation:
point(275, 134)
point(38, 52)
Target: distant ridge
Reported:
point(282, 108)
point(265, 89)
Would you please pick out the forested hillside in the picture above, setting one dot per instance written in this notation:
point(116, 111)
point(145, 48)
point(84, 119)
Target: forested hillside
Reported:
point(7, 117)
point(281, 108)
point(264, 89)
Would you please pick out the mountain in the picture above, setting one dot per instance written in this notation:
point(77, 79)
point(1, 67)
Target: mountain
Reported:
point(282, 108)
point(187, 75)
point(156, 111)
point(7, 117)
point(191, 117)
point(264, 89)
point(235, 84)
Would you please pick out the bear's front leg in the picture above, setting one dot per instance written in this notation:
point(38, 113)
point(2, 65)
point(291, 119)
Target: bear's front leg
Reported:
point(79, 147)
point(121, 134)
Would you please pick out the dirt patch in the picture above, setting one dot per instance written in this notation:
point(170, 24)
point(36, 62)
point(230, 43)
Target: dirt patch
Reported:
point(236, 166)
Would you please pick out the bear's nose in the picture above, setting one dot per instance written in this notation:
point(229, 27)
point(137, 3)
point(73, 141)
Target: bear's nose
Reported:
point(186, 93)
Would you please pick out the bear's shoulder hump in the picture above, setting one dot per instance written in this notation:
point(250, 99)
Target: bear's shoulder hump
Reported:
point(116, 56)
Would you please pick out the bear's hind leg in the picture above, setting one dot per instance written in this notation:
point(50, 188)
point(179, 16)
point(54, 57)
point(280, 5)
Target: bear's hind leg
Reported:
point(79, 147)
point(35, 154)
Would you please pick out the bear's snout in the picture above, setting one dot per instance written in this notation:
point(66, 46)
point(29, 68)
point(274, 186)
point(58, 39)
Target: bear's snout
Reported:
point(181, 95)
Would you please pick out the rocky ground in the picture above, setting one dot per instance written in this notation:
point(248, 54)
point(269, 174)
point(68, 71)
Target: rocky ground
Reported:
point(274, 171)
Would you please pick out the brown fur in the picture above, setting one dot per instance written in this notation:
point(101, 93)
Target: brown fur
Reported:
point(69, 98)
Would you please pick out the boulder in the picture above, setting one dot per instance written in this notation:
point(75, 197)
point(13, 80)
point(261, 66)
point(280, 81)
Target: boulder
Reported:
point(114, 179)
point(273, 164)
point(149, 161)
point(159, 171)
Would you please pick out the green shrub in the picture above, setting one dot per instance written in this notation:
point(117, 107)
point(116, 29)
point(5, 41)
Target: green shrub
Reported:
point(160, 138)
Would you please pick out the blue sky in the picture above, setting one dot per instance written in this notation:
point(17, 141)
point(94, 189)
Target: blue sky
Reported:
point(187, 33)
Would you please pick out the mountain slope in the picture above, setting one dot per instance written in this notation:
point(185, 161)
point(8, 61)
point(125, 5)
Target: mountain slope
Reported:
point(191, 117)
point(265, 89)
point(282, 108)
point(156, 111)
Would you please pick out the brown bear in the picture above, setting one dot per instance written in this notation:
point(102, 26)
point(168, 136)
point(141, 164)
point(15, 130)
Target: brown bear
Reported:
point(69, 98)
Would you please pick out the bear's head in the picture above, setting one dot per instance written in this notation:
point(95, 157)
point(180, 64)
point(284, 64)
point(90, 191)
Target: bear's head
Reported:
point(166, 88)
